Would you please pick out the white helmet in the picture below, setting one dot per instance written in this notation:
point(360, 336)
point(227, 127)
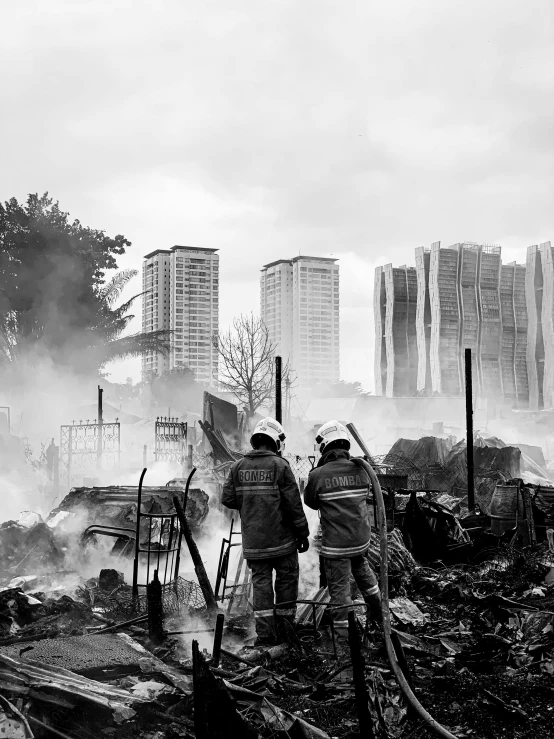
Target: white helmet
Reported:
point(271, 428)
point(331, 431)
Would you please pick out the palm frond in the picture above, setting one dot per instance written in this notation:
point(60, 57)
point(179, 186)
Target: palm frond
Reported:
point(136, 345)
point(113, 289)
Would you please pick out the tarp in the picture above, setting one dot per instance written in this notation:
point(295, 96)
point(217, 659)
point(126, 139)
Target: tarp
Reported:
point(425, 451)
point(225, 414)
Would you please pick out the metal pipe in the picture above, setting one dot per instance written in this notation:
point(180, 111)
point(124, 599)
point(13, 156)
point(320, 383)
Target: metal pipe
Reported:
point(176, 559)
point(278, 390)
point(137, 538)
point(123, 624)
point(187, 486)
point(469, 433)
point(148, 551)
point(49, 728)
point(190, 631)
point(218, 576)
point(169, 547)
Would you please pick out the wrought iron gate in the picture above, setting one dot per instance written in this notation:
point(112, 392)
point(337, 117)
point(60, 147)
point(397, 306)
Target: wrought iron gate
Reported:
point(82, 456)
point(171, 439)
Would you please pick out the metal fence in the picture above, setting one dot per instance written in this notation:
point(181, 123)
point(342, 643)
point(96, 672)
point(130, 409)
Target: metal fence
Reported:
point(301, 466)
point(170, 439)
point(85, 448)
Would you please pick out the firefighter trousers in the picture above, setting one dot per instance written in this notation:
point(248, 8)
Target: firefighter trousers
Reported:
point(338, 573)
point(286, 589)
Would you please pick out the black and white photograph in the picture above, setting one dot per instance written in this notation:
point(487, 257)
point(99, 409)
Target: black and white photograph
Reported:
point(276, 369)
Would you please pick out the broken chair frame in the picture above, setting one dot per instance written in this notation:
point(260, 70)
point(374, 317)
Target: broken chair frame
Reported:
point(240, 591)
point(175, 535)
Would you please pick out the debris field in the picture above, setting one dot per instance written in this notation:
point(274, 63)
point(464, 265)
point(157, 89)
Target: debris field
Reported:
point(472, 615)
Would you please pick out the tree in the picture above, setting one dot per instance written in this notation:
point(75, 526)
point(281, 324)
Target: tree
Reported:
point(247, 362)
point(104, 340)
point(54, 298)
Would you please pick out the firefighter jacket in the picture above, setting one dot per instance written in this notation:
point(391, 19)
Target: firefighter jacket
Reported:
point(262, 487)
point(339, 488)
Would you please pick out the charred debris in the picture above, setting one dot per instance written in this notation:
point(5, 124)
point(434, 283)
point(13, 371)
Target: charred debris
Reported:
point(155, 642)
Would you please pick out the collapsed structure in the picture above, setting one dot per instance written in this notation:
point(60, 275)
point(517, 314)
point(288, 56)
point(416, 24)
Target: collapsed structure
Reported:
point(103, 603)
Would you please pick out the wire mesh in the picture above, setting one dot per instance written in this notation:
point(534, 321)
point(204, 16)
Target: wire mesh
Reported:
point(119, 604)
point(301, 466)
point(202, 461)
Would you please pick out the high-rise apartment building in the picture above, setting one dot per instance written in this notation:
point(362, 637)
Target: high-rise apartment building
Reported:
point(380, 315)
point(276, 296)
point(181, 287)
point(300, 307)
point(539, 288)
point(156, 306)
point(444, 346)
point(464, 287)
point(547, 255)
point(423, 320)
point(465, 299)
point(395, 306)
point(514, 333)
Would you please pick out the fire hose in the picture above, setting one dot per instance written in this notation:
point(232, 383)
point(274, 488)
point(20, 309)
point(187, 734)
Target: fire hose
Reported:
point(382, 527)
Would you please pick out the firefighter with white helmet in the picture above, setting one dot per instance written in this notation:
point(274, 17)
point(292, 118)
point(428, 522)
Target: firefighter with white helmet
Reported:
point(262, 488)
point(339, 488)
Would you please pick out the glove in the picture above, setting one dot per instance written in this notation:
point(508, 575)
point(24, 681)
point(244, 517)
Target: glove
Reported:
point(303, 545)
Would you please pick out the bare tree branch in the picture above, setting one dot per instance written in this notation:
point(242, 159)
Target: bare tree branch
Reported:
point(247, 361)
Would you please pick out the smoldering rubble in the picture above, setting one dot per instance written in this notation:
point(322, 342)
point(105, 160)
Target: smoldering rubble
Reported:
point(470, 596)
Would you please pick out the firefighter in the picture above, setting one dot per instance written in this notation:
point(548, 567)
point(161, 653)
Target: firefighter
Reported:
point(339, 488)
point(262, 488)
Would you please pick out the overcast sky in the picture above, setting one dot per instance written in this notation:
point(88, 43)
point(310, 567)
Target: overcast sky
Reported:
point(356, 129)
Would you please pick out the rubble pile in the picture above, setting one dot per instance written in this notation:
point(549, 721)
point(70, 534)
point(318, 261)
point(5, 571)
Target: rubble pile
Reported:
point(117, 506)
point(24, 549)
point(472, 615)
point(478, 641)
point(482, 661)
point(438, 464)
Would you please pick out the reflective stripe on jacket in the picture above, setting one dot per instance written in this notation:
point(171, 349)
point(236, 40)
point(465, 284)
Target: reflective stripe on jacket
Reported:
point(339, 488)
point(262, 487)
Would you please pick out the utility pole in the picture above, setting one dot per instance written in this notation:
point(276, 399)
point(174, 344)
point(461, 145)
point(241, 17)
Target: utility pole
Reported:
point(100, 429)
point(469, 432)
point(278, 393)
point(287, 400)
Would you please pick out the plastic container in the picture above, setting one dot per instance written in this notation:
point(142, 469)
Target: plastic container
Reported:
point(506, 508)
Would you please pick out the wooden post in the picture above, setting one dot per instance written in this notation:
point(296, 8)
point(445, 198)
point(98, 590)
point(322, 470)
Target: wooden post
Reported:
point(215, 714)
point(360, 688)
point(218, 636)
point(278, 390)
point(469, 433)
point(199, 568)
point(100, 439)
point(531, 531)
point(155, 608)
